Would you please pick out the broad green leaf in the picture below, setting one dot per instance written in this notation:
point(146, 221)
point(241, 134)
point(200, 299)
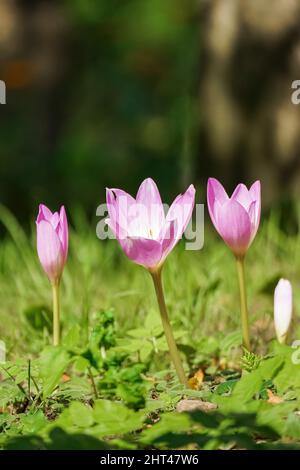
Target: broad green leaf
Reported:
point(113, 418)
point(72, 338)
point(169, 423)
point(53, 363)
point(247, 386)
point(33, 423)
point(81, 415)
point(251, 383)
point(292, 426)
point(226, 387)
point(288, 376)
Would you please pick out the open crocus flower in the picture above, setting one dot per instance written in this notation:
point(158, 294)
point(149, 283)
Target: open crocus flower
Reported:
point(283, 307)
point(147, 236)
point(52, 241)
point(140, 225)
point(235, 218)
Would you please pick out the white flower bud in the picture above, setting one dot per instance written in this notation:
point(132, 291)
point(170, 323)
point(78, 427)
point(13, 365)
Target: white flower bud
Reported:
point(283, 306)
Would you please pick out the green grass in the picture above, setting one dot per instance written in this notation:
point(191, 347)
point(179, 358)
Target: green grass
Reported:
point(202, 297)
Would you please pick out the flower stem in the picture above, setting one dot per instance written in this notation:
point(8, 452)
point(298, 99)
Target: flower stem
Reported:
point(56, 313)
point(156, 276)
point(93, 383)
point(243, 300)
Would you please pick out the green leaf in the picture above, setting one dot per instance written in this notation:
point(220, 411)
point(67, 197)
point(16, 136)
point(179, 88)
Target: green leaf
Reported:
point(72, 338)
point(53, 363)
point(114, 418)
point(247, 386)
point(292, 426)
point(9, 392)
point(81, 415)
point(33, 423)
point(288, 376)
point(251, 383)
point(230, 341)
point(226, 388)
point(169, 423)
point(76, 388)
point(39, 317)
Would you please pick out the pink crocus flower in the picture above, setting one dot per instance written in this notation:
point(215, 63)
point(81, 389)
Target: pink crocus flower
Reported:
point(52, 241)
point(145, 233)
point(235, 218)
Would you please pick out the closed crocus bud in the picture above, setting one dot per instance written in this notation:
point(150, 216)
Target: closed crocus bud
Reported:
point(235, 218)
point(52, 241)
point(283, 307)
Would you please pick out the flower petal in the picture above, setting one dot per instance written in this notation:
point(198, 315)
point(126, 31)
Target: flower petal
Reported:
point(55, 220)
point(64, 231)
point(234, 226)
point(255, 192)
point(44, 214)
point(253, 219)
point(119, 204)
point(181, 211)
point(215, 192)
point(242, 196)
point(168, 238)
point(50, 250)
point(143, 251)
point(148, 197)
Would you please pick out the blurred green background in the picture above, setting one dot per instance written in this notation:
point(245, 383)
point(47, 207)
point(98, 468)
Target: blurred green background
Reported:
point(107, 92)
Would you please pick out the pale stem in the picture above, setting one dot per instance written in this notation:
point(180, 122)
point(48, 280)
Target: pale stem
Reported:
point(156, 276)
point(243, 300)
point(56, 313)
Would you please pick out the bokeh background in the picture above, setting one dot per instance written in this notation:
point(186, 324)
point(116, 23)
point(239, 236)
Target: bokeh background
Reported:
point(106, 92)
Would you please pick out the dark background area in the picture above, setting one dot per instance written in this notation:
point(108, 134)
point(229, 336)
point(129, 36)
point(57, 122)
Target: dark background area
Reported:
point(108, 92)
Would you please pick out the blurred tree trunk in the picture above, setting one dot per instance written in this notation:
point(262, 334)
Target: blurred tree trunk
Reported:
point(249, 126)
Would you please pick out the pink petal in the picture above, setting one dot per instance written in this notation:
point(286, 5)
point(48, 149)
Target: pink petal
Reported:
point(111, 203)
point(119, 193)
point(44, 214)
point(234, 226)
point(143, 251)
point(55, 220)
point(252, 216)
point(242, 196)
point(255, 192)
point(168, 238)
point(215, 192)
point(120, 206)
point(149, 199)
point(50, 250)
point(181, 211)
point(64, 231)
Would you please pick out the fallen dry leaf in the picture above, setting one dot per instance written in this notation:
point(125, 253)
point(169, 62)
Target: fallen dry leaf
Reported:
point(272, 398)
point(66, 378)
point(195, 382)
